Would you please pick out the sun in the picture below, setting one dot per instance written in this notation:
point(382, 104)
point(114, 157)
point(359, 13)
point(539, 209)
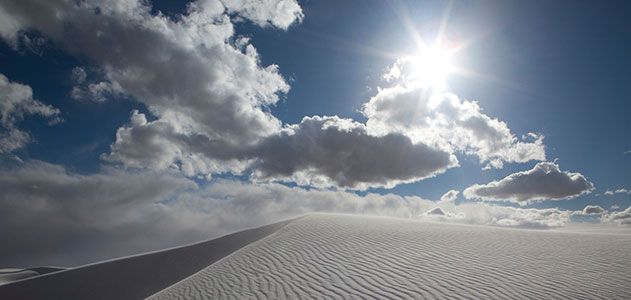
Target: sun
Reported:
point(431, 66)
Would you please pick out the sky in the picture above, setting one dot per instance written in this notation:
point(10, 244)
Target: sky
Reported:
point(129, 126)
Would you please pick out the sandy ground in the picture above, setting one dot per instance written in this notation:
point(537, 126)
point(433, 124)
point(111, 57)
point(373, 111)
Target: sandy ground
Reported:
point(350, 257)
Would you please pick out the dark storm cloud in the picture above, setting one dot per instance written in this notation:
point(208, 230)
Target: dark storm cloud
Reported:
point(544, 182)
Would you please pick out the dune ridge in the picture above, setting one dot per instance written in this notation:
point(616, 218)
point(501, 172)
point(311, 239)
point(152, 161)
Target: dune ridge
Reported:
point(352, 257)
point(133, 277)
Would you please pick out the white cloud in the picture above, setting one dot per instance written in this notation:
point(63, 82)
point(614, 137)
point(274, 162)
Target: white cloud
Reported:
point(543, 182)
point(208, 97)
point(618, 191)
point(440, 118)
point(590, 213)
point(593, 210)
point(530, 218)
point(619, 217)
point(450, 196)
point(160, 145)
point(278, 13)
point(191, 72)
point(17, 102)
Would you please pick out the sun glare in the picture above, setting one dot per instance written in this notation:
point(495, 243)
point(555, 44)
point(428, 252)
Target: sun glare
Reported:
point(431, 66)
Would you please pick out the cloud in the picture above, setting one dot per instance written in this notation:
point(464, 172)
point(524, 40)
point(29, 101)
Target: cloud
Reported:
point(320, 151)
point(208, 96)
point(435, 117)
point(543, 182)
point(450, 196)
point(620, 217)
point(530, 218)
point(593, 210)
point(160, 145)
point(17, 102)
point(618, 191)
point(48, 212)
point(208, 99)
point(92, 91)
point(439, 214)
point(591, 213)
point(278, 13)
point(330, 151)
point(191, 72)
point(52, 216)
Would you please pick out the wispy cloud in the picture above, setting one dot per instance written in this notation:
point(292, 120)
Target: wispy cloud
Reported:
point(617, 191)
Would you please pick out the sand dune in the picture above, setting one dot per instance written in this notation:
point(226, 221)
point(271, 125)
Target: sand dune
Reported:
point(332, 256)
point(134, 277)
point(354, 257)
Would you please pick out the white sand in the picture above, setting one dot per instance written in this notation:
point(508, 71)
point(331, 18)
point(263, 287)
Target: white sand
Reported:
point(333, 256)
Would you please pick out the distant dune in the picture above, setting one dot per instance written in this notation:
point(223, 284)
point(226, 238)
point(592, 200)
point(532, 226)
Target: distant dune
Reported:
point(354, 257)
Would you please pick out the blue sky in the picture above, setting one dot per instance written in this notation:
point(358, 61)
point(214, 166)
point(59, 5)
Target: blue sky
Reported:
point(560, 70)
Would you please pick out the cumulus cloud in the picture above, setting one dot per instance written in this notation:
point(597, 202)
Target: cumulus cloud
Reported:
point(436, 117)
point(278, 13)
point(160, 145)
point(191, 71)
point(543, 182)
point(619, 217)
point(17, 102)
point(208, 97)
point(593, 210)
point(330, 151)
point(450, 196)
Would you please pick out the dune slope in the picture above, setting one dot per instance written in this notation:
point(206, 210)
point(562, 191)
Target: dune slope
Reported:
point(332, 256)
point(133, 277)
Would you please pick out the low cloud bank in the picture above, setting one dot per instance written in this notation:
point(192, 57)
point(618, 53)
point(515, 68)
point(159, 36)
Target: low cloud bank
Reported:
point(53, 216)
